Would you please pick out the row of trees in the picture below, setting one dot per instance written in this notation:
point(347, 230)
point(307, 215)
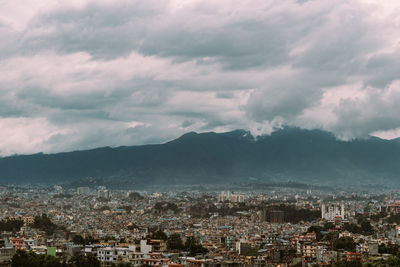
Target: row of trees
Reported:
point(164, 206)
point(11, 225)
point(364, 228)
point(389, 249)
point(30, 259)
point(79, 240)
point(344, 243)
point(23, 258)
point(175, 243)
point(293, 214)
point(318, 229)
point(44, 223)
point(393, 261)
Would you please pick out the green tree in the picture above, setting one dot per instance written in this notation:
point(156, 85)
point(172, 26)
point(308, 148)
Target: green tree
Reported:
point(194, 247)
point(85, 261)
point(174, 242)
point(78, 239)
point(317, 230)
point(44, 223)
point(345, 243)
point(329, 225)
point(29, 259)
point(353, 228)
point(24, 259)
point(121, 264)
point(159, 234)
point(11, 225)
point(389, 249)
point(393, 261)
point(367, 228)
point(347, 264)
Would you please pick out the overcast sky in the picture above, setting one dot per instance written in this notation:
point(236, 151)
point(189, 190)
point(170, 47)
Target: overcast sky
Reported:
point(80, 74)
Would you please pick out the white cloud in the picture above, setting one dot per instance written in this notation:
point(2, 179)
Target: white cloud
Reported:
point(96, 73)
point(25, 135)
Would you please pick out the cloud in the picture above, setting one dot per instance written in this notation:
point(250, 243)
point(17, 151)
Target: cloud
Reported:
point(25, 135)
point(377, 111)
point(97, 73)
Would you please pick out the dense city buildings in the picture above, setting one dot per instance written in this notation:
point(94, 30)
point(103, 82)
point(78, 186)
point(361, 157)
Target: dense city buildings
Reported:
point(277, 227)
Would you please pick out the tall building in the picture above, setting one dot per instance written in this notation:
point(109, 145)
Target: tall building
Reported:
point(103, 193)
point(331, 211)
point(225, 195)
point(231, 197)
point(82, 190)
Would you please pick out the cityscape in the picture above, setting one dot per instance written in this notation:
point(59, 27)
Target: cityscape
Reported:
point(279, 227)
point(199, 133)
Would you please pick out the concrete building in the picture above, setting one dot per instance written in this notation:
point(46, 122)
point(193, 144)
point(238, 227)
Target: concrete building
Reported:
point(103, 193)
point(82, 190)
point(231, 197)
point(6, 255)
point(331, 211)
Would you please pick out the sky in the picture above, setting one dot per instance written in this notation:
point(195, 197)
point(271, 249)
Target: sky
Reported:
point(81, 74)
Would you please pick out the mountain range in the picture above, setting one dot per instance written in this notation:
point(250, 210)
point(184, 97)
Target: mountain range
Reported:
point(288, 154)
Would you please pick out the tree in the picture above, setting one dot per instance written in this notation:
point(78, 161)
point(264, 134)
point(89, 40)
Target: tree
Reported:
point(353, 228)
point(78, 239)
point(11, 225)
point(160, 235)
point(331, 236)
point(45, 224)
point(85, 261)
point(389, 249)
point(24, 259)
point(174, 242)
point(164, 206)
point(194, 247)
point(345, 243)
point(329, 225)
point(347, 264)
point(317, 230)
point(121, 264)
point(29, 259)
point(393, 261)
point(367, 228)
point(135, 196)
point(51, 261)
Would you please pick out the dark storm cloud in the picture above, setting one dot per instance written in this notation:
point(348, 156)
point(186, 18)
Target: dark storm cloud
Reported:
point(103, 30)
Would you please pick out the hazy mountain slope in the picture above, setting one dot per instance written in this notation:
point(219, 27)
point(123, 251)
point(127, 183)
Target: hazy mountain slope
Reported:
point(287, 154)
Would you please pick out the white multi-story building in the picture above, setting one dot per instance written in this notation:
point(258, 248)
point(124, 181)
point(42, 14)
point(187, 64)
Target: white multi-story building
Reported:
point(112, 255)
point(228, 196)
point(82, 190)
point(103, 193)
point(331, 211)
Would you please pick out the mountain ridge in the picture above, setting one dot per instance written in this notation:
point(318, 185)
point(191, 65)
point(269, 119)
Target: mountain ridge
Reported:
point(287, 154)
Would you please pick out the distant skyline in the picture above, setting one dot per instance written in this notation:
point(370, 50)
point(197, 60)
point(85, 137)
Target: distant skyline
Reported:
point(81, 74)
